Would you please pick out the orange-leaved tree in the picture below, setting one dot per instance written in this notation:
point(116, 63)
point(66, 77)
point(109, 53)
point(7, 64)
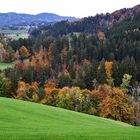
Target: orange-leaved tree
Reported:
point(50, 93)
point(24, 52)
point(26, 91)
point(108, 68)
point(115, 106)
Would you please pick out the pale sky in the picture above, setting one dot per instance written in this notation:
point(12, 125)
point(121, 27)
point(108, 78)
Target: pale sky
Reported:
point(77, 8)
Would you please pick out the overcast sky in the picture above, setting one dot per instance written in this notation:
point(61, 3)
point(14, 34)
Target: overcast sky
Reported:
point(77, 8)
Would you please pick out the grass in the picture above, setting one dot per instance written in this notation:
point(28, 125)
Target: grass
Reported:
point(5, 65)
point(20, 120)
point(16, 34)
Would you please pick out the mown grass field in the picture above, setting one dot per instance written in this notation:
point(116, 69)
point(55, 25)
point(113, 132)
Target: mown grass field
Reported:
point(20, 120)
point(9, 65)
point(5, 65)
point(16, 34)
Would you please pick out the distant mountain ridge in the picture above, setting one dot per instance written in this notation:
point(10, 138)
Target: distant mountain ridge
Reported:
point(11, 18)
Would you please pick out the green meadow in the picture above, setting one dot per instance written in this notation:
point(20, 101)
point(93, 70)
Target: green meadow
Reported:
point(5, 65)
point(21, 120)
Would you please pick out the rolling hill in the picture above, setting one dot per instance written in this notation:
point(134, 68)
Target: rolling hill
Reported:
point(93, 24)
point(8, 19)
point(29, 121)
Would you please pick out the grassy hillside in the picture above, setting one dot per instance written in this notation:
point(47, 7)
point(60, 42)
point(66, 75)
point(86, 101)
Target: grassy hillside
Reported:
point(21, 120)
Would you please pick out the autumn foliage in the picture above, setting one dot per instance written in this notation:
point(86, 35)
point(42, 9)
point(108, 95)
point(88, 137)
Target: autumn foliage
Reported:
point(108, 68)
point(24, 52)
point(27, 91)
point(103, 100)
point(115, 106)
